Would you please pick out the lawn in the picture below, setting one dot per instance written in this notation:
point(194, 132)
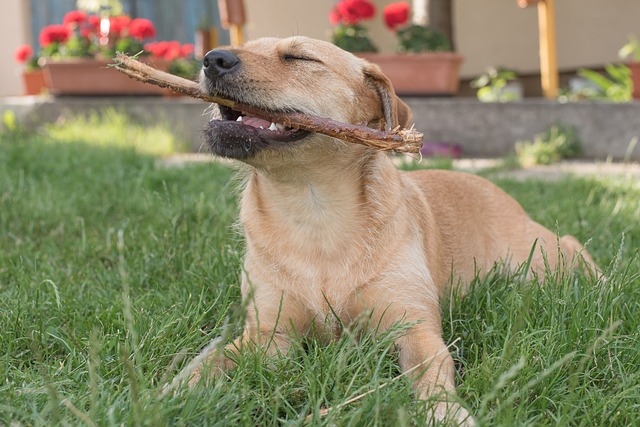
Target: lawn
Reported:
point(114, 271)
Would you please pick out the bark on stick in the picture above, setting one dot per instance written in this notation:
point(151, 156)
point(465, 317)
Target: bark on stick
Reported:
point(397, 140)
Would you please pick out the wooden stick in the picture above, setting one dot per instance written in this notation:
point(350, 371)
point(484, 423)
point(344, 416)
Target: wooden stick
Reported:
point(398, 140)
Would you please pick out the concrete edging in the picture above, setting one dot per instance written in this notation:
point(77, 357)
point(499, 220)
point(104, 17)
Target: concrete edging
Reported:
point(607, 130)
point(491, 129)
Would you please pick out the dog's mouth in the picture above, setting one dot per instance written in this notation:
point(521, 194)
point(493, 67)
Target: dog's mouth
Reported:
point(241, 136)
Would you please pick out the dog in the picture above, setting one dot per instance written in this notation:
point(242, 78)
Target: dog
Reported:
point(333, 229)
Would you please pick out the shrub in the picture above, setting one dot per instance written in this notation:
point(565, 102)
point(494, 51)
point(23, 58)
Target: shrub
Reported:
point(554, 144)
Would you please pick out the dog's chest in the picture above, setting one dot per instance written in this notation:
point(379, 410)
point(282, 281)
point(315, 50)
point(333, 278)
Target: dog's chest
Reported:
point(316, 244)
point(324, 285)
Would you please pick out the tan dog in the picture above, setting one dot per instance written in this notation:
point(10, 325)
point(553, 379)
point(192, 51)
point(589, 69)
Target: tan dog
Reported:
point(333, 227)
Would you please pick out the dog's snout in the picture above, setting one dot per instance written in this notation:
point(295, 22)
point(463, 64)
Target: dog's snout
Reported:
point(218, 61)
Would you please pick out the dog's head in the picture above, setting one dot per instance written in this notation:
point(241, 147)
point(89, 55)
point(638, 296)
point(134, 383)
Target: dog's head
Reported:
point(296, 74)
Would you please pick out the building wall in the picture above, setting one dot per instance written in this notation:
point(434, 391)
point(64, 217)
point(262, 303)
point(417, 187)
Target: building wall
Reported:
point(487, 32)
point(499, 33)
point(14, 21)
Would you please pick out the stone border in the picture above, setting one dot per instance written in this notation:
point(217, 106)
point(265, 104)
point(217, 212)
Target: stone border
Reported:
point(607, 130)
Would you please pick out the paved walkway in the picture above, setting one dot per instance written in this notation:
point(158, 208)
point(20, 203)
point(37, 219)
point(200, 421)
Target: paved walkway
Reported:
point(555, 171)
point(551, 172)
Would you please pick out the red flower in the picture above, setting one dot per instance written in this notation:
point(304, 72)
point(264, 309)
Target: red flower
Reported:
point(141, 28)
point(151, 48)
point(334, 17)
point(52, 34)
point(23, 53)
point(186, 50)
point(352, 11)
point(157, 49)
point(172, 50)
point(396, 14)
point(363, 8)
point(86, 32)
point(75, 17)
point(94, 22)
point(118, 24)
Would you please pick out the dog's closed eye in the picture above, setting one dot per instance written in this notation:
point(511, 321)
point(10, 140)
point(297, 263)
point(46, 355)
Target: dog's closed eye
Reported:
point(299, 57)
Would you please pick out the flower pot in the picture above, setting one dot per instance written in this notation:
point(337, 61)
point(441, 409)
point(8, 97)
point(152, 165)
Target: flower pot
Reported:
point(635, 78)
point(92, 77)
point(431, 74)
point(33, 82)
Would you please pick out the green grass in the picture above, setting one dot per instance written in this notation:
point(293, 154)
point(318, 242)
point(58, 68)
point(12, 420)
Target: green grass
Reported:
point(114, 272)
point(111, 128)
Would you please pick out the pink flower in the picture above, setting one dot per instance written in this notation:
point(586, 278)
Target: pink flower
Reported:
point(23, 53)
point(142, 28)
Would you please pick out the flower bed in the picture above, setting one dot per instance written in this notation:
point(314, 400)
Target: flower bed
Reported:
point(423, 64)
point(74, 56)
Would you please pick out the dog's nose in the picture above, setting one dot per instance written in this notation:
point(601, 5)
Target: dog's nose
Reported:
point(218, 61)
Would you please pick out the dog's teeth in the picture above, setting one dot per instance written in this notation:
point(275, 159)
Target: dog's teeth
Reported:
point(273, 127)
point(261, 127)
point(239, 119)
point(279, 126)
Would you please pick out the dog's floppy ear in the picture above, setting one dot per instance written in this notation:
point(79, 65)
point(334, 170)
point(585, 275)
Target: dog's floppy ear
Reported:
point(396, 112)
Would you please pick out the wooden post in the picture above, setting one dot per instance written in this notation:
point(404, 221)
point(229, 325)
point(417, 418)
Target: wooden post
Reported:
point(233, 17)
point(548, 51)
point(236, 35)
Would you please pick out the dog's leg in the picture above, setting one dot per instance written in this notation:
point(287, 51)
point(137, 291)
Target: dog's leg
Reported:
point(272, 319)
point(422, 350)
point(219, 361)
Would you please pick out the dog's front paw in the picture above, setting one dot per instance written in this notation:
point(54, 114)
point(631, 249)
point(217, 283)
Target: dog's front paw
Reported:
point(194, 378)
point(209, 370)
point(209, 363)
point(451, 413)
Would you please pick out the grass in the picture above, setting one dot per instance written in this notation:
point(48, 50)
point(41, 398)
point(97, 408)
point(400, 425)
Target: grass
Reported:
point(114, 272)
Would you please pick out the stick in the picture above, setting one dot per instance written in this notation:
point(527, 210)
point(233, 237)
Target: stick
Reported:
point(398, 140)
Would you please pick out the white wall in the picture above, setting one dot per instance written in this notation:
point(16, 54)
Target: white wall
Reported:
point(15, 22)
point(487, 32)
point(499, 33)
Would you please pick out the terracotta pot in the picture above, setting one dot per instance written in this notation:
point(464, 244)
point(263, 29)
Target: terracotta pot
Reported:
point(434, 73)
point(635, 78)
point(33, 82)
point(168, 93)
point(92, 77)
